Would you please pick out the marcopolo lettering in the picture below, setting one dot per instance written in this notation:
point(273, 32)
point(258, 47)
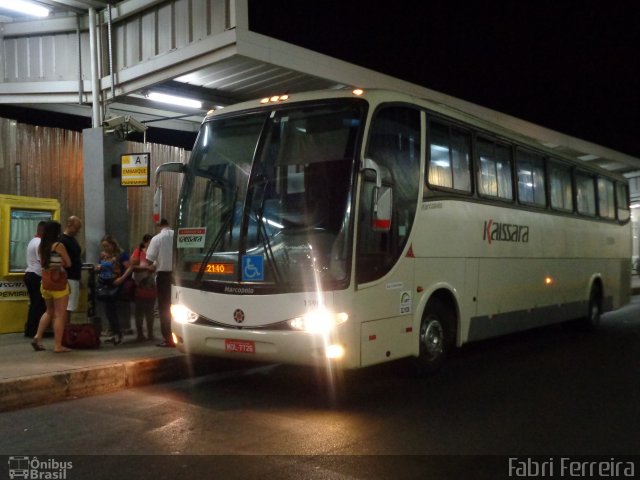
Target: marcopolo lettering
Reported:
point(505, 232)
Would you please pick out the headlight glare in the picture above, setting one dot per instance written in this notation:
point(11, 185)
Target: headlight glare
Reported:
point(182, 314)
point(318, 321)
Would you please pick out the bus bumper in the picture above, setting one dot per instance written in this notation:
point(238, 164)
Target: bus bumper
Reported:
point(278, 346)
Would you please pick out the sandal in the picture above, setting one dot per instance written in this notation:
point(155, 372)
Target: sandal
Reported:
point(37, 346)
point(63, 350)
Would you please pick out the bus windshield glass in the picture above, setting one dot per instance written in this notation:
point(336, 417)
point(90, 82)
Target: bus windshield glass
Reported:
point(266, 198)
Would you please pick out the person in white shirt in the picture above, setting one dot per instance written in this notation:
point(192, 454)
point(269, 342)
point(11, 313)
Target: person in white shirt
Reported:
point(160, 252)
point(32, 279)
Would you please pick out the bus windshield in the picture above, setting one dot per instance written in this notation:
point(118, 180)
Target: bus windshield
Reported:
point(266, 198)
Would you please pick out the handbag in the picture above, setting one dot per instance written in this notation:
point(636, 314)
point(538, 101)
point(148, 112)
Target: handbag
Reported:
point(128, 291)
point(54, 279)
point(85, 335)
point(146, 289)
point(107, 291)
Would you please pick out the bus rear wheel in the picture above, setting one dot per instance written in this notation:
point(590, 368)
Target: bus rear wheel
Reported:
point(592, 320)
point(436, 333)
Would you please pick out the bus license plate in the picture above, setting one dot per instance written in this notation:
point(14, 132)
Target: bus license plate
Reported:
point(239, 346)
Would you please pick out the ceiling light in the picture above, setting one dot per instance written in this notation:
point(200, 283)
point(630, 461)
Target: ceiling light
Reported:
point(24, 7)
point(174, 100)
point(588, 158)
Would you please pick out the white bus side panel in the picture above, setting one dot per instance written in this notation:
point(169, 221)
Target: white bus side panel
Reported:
point(532, 268)
point(386, 308)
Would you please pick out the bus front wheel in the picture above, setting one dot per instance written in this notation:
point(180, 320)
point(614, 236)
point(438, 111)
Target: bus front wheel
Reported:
point(436, 333)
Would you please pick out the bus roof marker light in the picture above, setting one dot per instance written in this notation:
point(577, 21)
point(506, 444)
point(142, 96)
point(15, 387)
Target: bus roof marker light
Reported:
point(274, 99)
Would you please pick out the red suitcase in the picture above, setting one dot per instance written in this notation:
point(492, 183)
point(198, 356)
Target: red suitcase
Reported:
point(84, 335)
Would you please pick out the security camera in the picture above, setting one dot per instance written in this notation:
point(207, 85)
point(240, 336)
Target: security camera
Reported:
point(123, 125)
point(135, 124)
point(113, 122)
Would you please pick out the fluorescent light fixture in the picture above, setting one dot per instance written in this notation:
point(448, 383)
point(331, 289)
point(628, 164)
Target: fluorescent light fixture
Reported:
point(24, 7)
point(174, 100)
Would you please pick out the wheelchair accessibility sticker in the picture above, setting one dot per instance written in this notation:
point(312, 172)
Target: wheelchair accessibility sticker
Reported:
point(253, 268)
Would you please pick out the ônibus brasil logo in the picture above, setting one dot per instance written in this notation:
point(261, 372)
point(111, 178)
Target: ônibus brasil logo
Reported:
point(505, 232)
point(31, 468)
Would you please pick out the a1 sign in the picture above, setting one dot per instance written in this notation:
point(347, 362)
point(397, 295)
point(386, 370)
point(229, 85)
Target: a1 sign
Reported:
point(135, 170)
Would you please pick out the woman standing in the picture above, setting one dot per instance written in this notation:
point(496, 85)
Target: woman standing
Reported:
point(53, 255)
point(113, 263)
point(145, 291)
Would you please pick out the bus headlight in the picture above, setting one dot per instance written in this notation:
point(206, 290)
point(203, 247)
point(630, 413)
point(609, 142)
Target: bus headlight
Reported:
point(182, 314)
point(318, 321)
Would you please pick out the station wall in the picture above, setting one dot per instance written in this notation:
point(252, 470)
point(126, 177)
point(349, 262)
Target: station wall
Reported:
point(47, 163)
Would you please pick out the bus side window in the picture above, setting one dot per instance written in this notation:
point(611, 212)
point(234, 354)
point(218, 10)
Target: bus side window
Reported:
point(449, 164)
point(585, 194)
point(494, 171)
point(560, 187)
point(606, 205)
point(530, 178)
point(622, 201)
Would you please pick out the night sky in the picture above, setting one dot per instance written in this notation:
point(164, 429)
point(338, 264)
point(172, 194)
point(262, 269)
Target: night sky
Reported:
point(572, 66)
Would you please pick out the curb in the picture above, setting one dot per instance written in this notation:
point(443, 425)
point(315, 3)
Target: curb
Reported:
point(45, 389)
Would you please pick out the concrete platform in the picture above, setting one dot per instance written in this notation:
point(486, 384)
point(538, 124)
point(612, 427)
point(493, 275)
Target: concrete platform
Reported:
point(29, 378)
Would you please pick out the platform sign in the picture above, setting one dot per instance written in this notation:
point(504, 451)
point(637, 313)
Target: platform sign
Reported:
point(136, 169)
point(13, 290)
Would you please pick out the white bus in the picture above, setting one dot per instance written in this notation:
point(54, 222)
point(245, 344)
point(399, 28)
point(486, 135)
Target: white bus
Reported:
point(350, 228)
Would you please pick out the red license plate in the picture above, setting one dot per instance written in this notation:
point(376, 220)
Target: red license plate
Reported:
point(239, 346)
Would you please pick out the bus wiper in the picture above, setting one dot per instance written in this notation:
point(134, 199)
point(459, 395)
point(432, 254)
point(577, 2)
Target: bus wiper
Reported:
point(266, 245)
point(227, 223)
point(216, 241)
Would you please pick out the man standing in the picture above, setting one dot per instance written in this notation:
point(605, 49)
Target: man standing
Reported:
point(74, 272)
point(32, 279)
point(160, 252)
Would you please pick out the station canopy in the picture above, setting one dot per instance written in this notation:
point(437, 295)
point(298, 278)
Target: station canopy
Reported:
point(202, 50)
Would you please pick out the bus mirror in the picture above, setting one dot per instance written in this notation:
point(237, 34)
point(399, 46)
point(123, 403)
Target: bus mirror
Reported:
point(369, 164)
point(175, 167)
point(382, 208)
